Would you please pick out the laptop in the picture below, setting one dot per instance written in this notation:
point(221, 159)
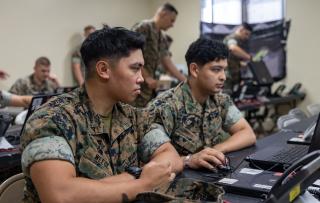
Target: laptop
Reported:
point(250, 182)
point(14, 132)
point(279, 158)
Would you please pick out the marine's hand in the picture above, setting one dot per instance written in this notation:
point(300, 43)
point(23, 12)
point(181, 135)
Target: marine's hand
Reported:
point(156, 174)
point(207, 158)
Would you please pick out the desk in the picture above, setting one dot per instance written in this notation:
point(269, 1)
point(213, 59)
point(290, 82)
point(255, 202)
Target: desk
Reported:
point(236, 160)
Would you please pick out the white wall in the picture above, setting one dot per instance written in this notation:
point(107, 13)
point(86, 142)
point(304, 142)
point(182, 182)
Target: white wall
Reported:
point(53, 27)
point(303, 47)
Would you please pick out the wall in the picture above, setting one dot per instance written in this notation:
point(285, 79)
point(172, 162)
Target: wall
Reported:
point(53, 28)
point(303, 47)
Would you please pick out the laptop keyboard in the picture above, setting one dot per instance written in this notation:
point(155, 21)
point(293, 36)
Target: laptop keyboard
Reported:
point(290, 154)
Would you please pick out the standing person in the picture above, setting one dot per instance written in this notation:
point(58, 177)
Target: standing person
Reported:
point(156, 51)
point(197, 116)
point(236, 43)
point(87, 145)
point(77, 65)
point(39, 82)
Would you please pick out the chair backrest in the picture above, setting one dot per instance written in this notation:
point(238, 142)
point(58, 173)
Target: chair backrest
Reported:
point(298, 113)
point(313, 109)
point(286, 120)
point(11, 190)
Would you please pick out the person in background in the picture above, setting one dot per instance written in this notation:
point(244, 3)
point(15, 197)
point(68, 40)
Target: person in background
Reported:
point(197, 116)
point(236, 43)
point(87, 145)
point(39, 82)
point(156, 51)
point(77, 65)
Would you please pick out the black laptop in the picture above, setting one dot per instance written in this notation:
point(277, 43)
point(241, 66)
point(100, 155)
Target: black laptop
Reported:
point(281, 157)
point(250, 182)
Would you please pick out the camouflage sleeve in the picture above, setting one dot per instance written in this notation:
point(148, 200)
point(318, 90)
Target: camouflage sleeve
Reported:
point(151, 141)
point(76, 58)
point(46, 148)
point(231, 41)
point(17, 87)
point(232, 117)
point(5, 98)
point(164, 51)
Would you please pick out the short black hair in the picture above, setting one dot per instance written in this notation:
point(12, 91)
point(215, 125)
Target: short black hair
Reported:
point(111, 43)
point(205, 50)
point(247, 26)
point(169, 7)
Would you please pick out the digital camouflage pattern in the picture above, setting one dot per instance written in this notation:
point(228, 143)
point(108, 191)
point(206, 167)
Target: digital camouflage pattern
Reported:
point(183, 190)
point(5, 98)
point(70, 116)
point(154, 49)
point(27, 86)
point(190, 126)
point(234, 66)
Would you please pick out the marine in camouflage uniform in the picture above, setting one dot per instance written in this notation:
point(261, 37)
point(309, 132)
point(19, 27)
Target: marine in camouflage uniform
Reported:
point(197, 116)
point(234, 65)
point(154, 50)
point(68, 123)
point(28, 86)
point(237, 42)
point(190, 125)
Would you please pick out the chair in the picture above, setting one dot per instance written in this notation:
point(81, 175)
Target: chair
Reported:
point(298, 113)
point(313, 109)
point(286, 120)
point(11, 190)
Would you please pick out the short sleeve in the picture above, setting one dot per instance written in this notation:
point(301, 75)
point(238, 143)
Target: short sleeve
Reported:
point(232, 117)
point(164, 51)
point(231, 42)
point(5, 98)
point(46, 148)
point(151, 141)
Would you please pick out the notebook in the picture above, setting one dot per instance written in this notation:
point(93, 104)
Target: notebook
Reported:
point(281, 157)
point(250, 182)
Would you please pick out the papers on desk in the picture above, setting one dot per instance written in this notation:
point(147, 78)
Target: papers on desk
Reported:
point(4, 144)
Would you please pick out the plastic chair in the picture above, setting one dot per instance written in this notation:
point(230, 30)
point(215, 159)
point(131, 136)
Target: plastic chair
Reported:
point(286, 120)
point(11, 190)
point(298, 113)
point(313, 109)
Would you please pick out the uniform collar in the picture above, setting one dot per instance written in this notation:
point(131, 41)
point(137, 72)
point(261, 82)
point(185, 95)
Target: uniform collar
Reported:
point(192, 106)
point(120, 119)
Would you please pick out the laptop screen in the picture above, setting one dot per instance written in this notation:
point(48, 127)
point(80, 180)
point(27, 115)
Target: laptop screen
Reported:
point(36, 102)
point(315, 141)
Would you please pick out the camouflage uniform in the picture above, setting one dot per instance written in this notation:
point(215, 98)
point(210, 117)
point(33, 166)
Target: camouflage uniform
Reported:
point(5, 98)
point(76, 59)
point(234, 66)
point(27, 86)
point(66, 128)
point(183, 190)
point(154, 50)
point(190, 125)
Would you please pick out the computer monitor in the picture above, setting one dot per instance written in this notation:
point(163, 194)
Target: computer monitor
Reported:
point(261, 73)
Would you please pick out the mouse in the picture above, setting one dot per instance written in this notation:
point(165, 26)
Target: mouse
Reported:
point(224, 168)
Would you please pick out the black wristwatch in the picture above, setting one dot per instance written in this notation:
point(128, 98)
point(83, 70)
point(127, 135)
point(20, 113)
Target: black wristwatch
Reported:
point(134, 170)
